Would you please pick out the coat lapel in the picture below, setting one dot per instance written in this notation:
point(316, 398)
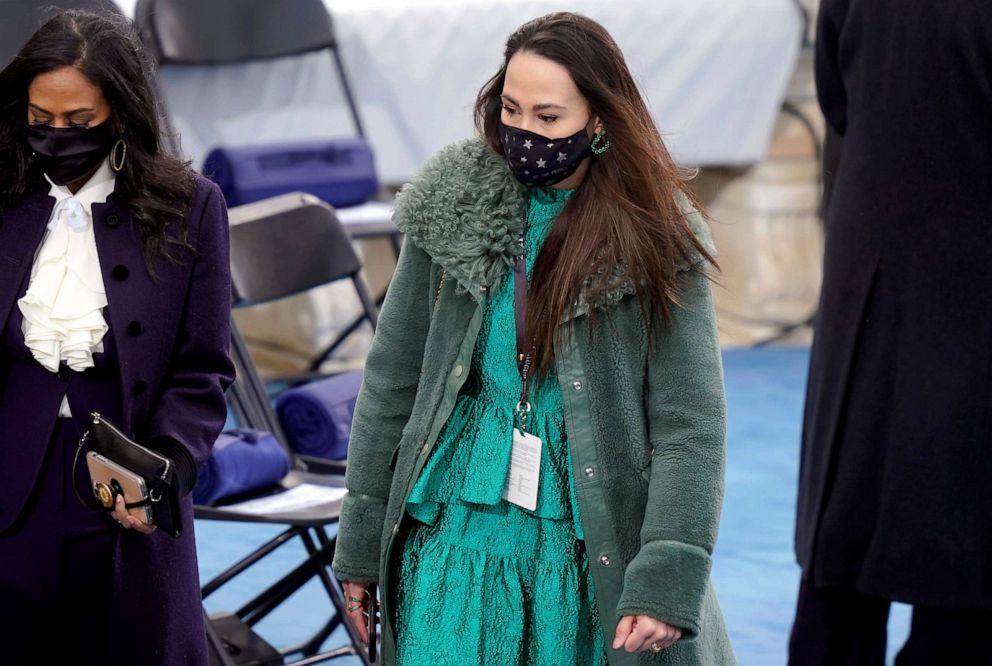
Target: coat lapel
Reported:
point(21, 231)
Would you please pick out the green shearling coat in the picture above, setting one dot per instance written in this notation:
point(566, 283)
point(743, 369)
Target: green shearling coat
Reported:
point(646, 423)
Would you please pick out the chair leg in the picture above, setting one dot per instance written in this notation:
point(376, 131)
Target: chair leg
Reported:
point(320, 553)
point(311, 646)
point(369, 314)
point(263, 604)
point(346, 87)
point(254, 386)
point(235, 570)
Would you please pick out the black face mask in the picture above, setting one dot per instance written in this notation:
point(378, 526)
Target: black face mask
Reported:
point(538, 161)
point(68, 154)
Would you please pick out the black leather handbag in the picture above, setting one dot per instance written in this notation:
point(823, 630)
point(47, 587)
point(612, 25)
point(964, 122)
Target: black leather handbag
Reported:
point(157, 471)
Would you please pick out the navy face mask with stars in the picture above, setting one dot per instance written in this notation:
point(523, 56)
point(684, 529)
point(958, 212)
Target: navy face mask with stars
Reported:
point(538, 161)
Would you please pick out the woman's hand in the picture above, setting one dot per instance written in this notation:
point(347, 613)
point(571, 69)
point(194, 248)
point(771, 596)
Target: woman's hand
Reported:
point(640, 633)
point(356, 604)
point(127, 521)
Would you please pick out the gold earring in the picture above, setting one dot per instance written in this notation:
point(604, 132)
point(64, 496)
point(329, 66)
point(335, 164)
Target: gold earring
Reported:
point(115, 163)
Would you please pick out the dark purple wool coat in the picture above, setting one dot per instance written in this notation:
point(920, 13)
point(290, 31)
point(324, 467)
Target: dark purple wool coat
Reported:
point(172, 337)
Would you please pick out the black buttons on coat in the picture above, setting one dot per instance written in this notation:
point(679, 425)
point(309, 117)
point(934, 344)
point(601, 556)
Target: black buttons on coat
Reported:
point(113, 221)
point(140, 387)
point(120, 272)
point(134, 329)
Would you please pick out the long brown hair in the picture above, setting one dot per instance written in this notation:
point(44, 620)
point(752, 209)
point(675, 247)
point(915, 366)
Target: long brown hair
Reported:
point(626, 212)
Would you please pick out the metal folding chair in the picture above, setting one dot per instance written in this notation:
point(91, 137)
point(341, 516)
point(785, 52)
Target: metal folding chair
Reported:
point(281, 247)
point(224, 32)
point(295, 243)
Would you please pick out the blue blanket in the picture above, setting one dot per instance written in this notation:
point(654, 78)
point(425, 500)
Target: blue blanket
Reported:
point(242, 460)
point(317, 417)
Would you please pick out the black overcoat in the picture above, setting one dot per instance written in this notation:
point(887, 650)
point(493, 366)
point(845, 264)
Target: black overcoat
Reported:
point(895, 492)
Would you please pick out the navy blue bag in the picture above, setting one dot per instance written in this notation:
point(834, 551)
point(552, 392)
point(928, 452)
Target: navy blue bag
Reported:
point(339, 171)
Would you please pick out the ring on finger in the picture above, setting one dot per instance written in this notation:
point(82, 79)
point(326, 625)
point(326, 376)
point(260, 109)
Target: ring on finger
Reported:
point(354, 607)
point(656, 648)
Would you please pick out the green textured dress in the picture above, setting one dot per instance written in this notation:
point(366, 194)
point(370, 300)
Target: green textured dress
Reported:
point(483, 581)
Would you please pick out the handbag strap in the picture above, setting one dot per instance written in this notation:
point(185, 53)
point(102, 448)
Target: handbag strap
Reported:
point(75, 462)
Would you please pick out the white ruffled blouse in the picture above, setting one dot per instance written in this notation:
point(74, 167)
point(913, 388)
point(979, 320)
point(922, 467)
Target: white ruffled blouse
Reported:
point(63, 306)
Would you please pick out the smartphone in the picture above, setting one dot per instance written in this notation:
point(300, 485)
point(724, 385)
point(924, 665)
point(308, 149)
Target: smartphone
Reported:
point(105, 475)
point(373, 623)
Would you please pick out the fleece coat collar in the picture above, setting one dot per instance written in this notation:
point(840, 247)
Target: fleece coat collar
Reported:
point(466, 210)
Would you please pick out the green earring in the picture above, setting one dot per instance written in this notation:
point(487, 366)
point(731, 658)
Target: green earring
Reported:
point(596, 140)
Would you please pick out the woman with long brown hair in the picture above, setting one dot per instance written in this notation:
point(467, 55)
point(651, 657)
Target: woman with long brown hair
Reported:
point(536, 463)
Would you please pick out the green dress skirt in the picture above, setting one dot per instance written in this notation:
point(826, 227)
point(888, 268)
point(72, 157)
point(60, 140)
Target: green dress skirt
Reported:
point(483, 581)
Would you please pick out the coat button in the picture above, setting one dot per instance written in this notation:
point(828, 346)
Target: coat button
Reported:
point(459, 370)
point(140, 387)
point(134, 329)
point(577, 385)
point(113, 221)
point(120, 272)
point(589, 471)
point(483, 289)
point(605, 561)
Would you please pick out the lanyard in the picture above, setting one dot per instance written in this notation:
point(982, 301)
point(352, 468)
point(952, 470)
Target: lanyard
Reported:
point(524, 359)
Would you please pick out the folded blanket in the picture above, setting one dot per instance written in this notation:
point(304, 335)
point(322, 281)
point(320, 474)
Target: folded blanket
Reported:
point(242, 460)
point(317, 417)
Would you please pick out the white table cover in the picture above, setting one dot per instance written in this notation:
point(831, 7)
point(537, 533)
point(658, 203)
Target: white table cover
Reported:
point(714, 73)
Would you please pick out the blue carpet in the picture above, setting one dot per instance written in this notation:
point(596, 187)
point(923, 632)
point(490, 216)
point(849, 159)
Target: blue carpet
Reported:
point(754, 570)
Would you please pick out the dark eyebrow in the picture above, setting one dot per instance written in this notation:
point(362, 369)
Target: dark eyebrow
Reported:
point(537, 107)
point(70, 113)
